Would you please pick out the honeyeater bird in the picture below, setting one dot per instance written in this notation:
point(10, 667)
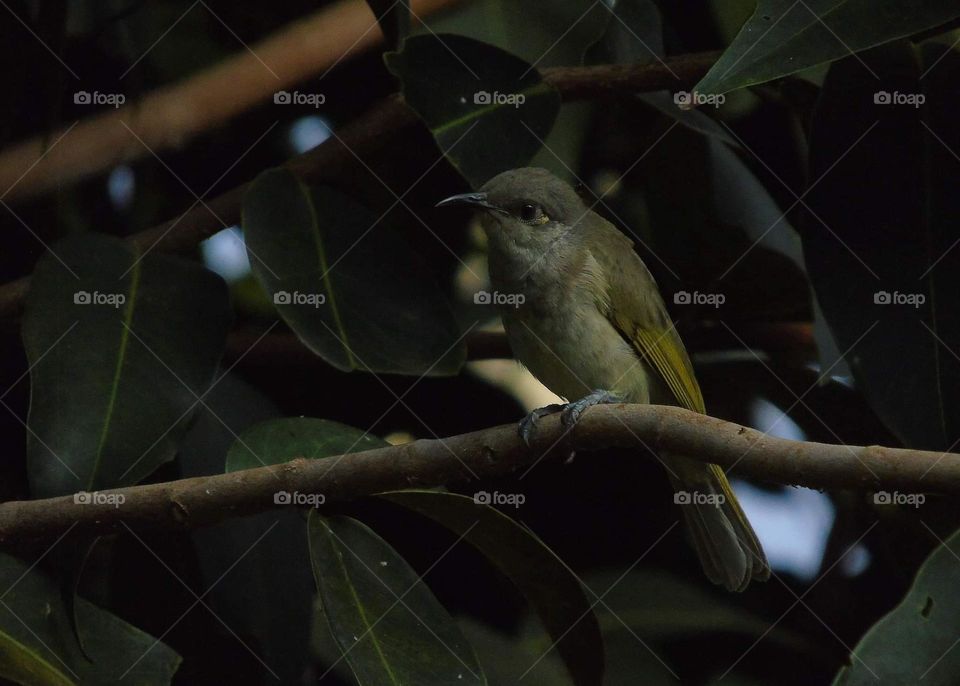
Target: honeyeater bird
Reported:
point(592, 327)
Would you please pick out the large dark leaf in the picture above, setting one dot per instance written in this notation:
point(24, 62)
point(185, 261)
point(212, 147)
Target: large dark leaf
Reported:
point(38, 646)
point(714, 228)
point(487, 109)
point(699, 190)
point(634, 35)
point(269, 604)
point(880, 247)
point(549, 586)
point(350, 288)
point(273, 602)
point(915, 642)
point(281, 440)
point(659, 607)
point(113, 384)
point(784, 37)
point(547, 583)
point(394, 19)
point(389, 626)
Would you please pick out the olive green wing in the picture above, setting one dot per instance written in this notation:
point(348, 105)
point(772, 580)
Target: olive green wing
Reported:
point(632, 304)
point(626, 292)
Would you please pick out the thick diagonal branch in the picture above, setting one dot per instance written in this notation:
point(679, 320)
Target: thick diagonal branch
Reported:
point(173, 114)
point(481, 455)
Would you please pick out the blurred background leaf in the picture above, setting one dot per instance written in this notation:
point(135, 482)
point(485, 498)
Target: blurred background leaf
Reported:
point(880, 251)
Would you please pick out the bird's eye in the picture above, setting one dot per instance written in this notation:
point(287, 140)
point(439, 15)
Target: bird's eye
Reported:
point(532, 214)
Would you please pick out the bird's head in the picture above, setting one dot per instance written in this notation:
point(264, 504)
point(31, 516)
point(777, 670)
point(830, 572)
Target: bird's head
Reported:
point(525, 212)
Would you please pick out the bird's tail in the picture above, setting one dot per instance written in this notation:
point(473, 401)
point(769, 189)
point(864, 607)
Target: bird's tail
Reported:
point(725, 542)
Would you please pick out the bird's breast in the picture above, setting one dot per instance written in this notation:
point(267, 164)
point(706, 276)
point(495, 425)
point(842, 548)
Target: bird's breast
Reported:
point(562, 337)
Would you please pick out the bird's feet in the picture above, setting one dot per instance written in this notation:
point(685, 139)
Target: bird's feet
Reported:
point(569, 413)
point(529, 423)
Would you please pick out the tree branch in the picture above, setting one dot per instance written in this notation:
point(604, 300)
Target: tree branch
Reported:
point(494, 452)
point(367, 133)
point(171, 115)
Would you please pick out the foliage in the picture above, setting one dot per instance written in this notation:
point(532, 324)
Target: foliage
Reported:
point(809, 178)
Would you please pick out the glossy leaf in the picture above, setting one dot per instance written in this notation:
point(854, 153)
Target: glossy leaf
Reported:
point(120, 348)
point(549, 586)
point(784, 37)
point(881, 252)
point(394, 19)
point(280, 440)
point(389, 626)
point(349, 287)
point(914, 643)
point(485, 107)
point(38, 646)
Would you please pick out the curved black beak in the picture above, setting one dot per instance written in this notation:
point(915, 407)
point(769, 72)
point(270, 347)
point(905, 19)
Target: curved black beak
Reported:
point(477, 200)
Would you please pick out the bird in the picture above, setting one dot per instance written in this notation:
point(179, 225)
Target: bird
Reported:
point(587, 319)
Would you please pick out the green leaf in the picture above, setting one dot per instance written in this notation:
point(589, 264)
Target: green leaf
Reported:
point(390, 627)
point(349, 287)
point(550, 587)
point(38, 646)
point(881, 251)
point(120, 347)
point(280, 440)
point(487, 109)
point(914, 643)
point(784, 37)
point(394, 19)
